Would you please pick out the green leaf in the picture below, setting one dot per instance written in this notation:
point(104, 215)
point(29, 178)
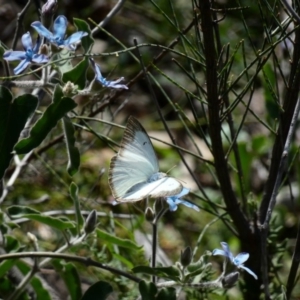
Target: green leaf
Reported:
point(246, 159)
point(31, 214)
point(64, 65)
point(98, 291)
point(166, 272)
point(271, 99)
point(109, 238)
point(261, 145)
point(42, 291)
point(5, 266)
point(86, 41)
point(74, 196)
point(17, 211)
point(6, 286)
point(167, 294)
point(13, 117)
point(11, 244)
point(73, 152)
point(51, 221)
point(148, 290)
point(58, 94)
point(72, 281)
point(194, 269)
point(77, 75)
point(2, 50)
point(127, 262)
point(54, 112)
point(69, 274)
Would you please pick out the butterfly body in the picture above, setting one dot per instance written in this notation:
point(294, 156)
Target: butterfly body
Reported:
point(134, 172)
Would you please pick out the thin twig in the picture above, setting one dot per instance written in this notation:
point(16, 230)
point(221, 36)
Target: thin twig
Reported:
point(15, 175)
point(19, 21)
point(141, 73)
point(22, 285)
point(29, 84)
point(115, 9)
point(221, 167)
point(166, 125)
point(265, 226)
point(291, 10)
point(294, 267)
point(72, 212)
point(68, 257)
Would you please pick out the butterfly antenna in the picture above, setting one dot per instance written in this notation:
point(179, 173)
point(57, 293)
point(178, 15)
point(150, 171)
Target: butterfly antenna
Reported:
point(181, 181)
point(171, 169)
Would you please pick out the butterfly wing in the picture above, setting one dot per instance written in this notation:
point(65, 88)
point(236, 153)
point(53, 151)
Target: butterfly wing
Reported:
point(166, 186)
point(135, 162)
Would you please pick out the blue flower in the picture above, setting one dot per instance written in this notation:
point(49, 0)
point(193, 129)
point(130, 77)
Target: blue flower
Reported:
point(30, 55)
point(175, 200)
point(59, 31)
point(106, 83)
point(237, 261)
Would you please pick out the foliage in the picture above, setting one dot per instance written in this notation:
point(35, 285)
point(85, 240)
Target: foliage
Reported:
point(216, 87)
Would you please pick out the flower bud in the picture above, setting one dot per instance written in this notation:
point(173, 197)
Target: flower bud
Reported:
point(186, 256)
point(49, 7)
point(47, 12)
point(230, 280)
point(69, 89)
point(90, 222)
point(32, 238)
point(149, 214)
point(44, 50)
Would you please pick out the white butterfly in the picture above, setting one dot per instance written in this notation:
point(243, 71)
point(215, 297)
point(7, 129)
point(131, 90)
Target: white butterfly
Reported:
point(134, 174)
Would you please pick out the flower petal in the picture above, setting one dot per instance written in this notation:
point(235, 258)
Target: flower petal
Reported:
point(183, 192)
point(111, 84)
point(27, 41)
point(114, 84)
point(60, 27)
point(241, 258)
point(97, 71)
point(227, 251)
point(189, 204)
point(173, 203)
point(40, 58)
point(36, 48)
point(21, 66)
point(75, 38)
point(43, 31)
point(14, 55)
point(175, 200)
point(249, 271)
point(219, 252)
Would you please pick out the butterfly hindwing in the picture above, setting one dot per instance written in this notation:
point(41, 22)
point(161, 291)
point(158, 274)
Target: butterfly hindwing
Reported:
point(163, 187)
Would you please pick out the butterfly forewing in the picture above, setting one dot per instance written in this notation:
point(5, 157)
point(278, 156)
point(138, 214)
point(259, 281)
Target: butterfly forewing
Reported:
point(163, 187)
point(135, 162)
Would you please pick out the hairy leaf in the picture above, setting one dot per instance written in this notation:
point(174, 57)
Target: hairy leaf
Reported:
point(74, 196)
point(54, 112)
point(148, 290)
point(112, 239)
point(100, 291)
point(13, 116)
point(73, 152)
point(86, 41)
